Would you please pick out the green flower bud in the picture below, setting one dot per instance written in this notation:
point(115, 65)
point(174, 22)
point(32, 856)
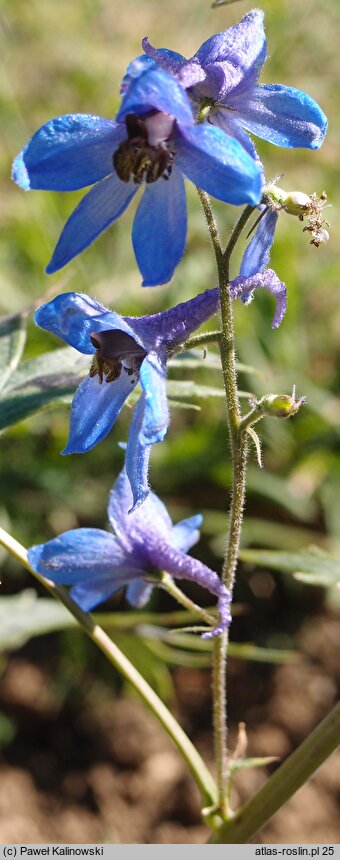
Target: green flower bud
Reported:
point(280, 405)
point(293, 202)
point(302, 206)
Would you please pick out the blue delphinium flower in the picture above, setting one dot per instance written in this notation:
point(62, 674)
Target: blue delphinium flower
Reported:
point(154, 141)
point(97, 564)
point(126, 350)
point(222, 78)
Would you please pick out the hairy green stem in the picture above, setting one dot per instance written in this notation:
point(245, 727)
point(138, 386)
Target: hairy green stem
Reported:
point(238, 445)
point(286, 780)
point(113, 654)
point(241, 223)
point(213, 231)
point(201, 339)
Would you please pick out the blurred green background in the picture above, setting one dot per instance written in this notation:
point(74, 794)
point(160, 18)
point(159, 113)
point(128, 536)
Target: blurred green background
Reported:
point(62, 57)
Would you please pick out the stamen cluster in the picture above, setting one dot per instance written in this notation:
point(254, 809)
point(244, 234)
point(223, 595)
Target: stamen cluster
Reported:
point(137, 159)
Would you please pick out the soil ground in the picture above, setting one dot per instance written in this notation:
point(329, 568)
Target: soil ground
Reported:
point(103, 771)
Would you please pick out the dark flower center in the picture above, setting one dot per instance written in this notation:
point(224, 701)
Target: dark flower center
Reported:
point(115, 351)
point(148, 153)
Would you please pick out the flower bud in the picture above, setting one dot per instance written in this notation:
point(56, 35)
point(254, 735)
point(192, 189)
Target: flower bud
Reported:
point(302, 206)
point(293, 202)
point(280, 405)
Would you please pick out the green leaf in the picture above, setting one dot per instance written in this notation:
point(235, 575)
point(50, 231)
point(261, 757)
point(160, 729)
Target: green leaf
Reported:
point(186, 388)
point(25, 615)
point(12, 342)
point(312, 566)
point(40, 382)
point(197, 358)
point(239, 650)
point(243, 763)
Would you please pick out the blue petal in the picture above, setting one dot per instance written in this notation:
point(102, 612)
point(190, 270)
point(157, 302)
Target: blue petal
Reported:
point(186, 533)
point(67, 153)
point(240, 51)
point(95, 212)
point(156, 412)
point(138, 593)
point(89, 593)
point(134, 70)
point(78, 555)
point(137, 458)
point(94, 410)
point(257, 254)
point(224, 119)
point(283, 116)
point(131, 528)
point(73, 316)
point(156, 90)
point(219, 165)
point(159, 229)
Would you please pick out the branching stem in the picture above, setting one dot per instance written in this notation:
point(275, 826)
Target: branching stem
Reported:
point(238, 445)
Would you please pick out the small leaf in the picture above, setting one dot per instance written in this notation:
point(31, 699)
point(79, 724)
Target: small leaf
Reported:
point(207, 360)
point(187, 388)
point(312, 566)
point(257, 444)
point(243, 763)
point(239, 650)
point(12, 342)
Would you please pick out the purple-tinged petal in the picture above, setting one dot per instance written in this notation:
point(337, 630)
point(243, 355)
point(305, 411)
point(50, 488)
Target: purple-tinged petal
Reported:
point(185, 534)
point(187, 72)
point(191, 73)
point(156, 412)
point(241, 51)
point(224, 119)
point(166, 557)
point(177, 324)
point(94, 410)
point(257, 254)
point(133, 528)
point(283, 116)
point(155, 89)
point(67, 153)
point(159, 229)
point(241, 288)
point(219, 165)
point(95, 212)
point(138, 593)
point(169, 61)
point(77, 555)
